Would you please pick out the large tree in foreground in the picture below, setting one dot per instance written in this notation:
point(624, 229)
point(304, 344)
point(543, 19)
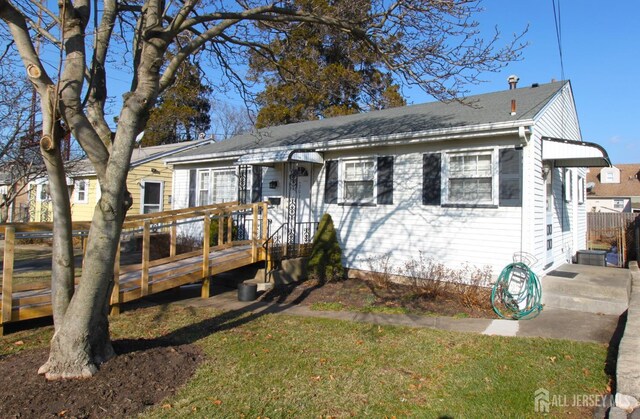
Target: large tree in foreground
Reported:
point(433, 44)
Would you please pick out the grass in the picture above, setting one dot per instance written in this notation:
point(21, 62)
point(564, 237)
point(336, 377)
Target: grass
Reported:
point(286, 366)
point(25, 252)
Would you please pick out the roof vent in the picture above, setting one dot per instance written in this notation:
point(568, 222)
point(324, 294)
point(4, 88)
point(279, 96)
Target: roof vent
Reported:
point(513, 81)
point(534, 85)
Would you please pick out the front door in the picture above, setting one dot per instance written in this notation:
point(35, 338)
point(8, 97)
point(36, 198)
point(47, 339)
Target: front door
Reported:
point(548, 183)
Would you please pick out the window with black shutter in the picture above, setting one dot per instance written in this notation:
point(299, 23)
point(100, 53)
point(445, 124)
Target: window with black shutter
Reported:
point(192, 187)
point(385, 180)
point(331, 182)
point(256, 184)
point(510, 181)
point(431, 178)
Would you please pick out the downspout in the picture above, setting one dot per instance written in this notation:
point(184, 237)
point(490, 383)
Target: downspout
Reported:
point(524, 233)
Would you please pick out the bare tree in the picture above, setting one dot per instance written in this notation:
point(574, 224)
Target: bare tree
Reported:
point(229, 120)
point(20, 160)
point(435, 45)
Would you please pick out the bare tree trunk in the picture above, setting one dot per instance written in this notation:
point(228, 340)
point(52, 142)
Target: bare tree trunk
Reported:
point(62, 263)
point(82, 341)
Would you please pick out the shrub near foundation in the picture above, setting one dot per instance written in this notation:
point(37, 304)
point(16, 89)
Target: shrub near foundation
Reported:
point(325, 262)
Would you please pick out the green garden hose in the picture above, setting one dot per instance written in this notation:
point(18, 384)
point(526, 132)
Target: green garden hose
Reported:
point(517, 294)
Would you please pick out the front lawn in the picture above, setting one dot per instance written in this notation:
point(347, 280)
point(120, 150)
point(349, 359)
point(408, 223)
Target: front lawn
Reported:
point(287, 366)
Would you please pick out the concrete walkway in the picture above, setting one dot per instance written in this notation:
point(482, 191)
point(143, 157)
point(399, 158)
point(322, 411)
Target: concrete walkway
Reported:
point(551, 323)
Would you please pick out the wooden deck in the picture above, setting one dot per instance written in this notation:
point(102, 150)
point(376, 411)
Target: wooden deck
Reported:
point(135, 281)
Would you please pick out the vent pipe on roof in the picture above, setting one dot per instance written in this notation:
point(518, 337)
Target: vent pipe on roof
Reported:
point(513, 81)
point(513, 107)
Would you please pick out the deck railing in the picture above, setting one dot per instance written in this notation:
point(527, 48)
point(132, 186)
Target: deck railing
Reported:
point(157, 238)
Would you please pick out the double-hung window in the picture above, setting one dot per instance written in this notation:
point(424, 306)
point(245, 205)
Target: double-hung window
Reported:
point(359, 181)
point(225, 186)
point(204, 185)
point(215, 186)
point(82, 191)
point(470, 178)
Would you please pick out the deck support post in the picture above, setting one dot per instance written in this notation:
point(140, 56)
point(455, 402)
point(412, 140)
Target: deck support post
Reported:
point(254, 233)
point(7, 277)
point(146, 242)
point(206, 233)
point(173, 239)
point(265, 226)
point(229, 229)
point(115, 293)
point(220, 228)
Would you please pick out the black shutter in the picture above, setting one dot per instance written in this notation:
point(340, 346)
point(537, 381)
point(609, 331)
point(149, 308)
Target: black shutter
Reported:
point(193, 179)
point(256, 184)
point(385, 180)
point(331, 182)
point(510, 177)
point(431, 179)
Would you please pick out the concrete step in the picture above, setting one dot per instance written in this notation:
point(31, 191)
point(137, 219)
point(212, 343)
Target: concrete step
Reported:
point(259, 281)
point(592, 289)
point(584, 304)
point(589, 288)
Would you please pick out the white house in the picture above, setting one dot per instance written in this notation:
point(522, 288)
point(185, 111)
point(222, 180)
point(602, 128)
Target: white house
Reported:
point(470, 182)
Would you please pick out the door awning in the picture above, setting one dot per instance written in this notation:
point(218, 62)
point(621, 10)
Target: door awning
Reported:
point(270, 157)
point(569, 153)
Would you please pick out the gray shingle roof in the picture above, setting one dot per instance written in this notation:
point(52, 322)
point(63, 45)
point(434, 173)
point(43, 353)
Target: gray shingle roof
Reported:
point(140, 155)
point(481, 109)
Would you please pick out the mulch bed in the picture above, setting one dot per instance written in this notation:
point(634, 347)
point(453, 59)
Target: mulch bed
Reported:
point(142, 375)
point(359, 294)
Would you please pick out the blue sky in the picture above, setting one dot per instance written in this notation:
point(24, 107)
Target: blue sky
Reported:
point(601, 50)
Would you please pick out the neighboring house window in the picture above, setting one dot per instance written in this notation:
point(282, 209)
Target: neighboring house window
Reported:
point(609, 177)
point(151, 196)
point(82, 191)
point(44, 192)
point(225, 187)
point(204, 185)
point(359, 181)
point(470, 179)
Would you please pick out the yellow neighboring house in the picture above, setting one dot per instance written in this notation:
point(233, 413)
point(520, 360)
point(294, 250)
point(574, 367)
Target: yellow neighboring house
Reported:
point(149, 181)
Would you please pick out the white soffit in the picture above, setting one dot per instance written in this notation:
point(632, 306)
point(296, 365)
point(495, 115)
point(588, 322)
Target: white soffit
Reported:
point(271, 157)
point(569, 153)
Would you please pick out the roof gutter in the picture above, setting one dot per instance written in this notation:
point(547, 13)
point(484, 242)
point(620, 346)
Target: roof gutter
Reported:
point(443, 134)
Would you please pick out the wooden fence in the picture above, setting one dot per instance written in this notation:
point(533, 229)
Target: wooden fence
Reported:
point(608, 229)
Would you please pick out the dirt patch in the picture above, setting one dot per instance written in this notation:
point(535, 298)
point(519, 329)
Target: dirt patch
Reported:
point(363, 295)
point(141, 376)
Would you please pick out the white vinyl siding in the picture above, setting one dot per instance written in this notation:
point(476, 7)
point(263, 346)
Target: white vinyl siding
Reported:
point(453, 236)
point(557, 120)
